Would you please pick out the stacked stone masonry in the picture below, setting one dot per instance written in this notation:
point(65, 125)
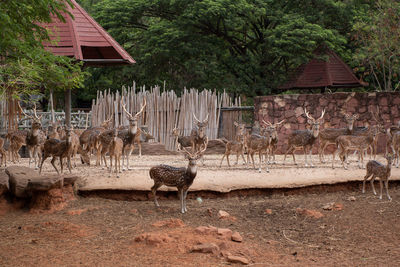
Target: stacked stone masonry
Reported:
point(275, 108)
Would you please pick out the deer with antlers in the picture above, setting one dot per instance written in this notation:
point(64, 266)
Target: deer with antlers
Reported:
point(272, 130)
point(305, 138)
point(329, 135)
point(181, 178)
point(260, 144)
point(131, 135)
point(35, 137)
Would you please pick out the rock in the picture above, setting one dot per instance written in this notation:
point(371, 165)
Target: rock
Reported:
point(153, 238)
point(351, 198)
point(4, 183)
point(310, 213)
point(238, 259)
point(76, 212)
point(24, 180)
point(279, 101)
point(268, 211)
point(169, 223)
point(338, 206)
point(205, 248)
point(298, 111)
point(236, 237)
point(223, 214)
point(206, 230)
point(328, 206)
point(225, 233)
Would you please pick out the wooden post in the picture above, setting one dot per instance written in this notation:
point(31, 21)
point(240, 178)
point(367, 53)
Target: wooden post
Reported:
point(68, 108)
point(53, 117)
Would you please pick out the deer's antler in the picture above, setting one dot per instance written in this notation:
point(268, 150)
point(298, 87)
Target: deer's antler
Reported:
point(308, 115)
point(267, 123)
point(279, 123)
point(127, 112)
point(142, 108)
point(205, 120)
point(26, 115)
point(322, 115)
point(34, 111)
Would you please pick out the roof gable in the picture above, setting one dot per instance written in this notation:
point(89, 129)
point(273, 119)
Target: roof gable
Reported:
point(318, 73)
point(83, 38)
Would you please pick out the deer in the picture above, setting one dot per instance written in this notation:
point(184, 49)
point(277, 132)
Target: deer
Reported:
point(260, 144)
point(115, 151)
point(198, 135)
point(328, 136)
point(235, 146)
point(181, 178)
point(104, 140)
point(52, 131)
point(131, 135)
point(361, 143)
point(183, 141)
point(77, 149)
point(35, 137)
point(16, 140)
point(376, 169)
point(305, 138)
point(58, 148)
point(272, 129)
point(395, 146)
point(85, 136)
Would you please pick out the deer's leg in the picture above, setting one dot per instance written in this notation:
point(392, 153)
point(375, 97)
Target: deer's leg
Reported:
point(98, 156)
point(260, 154)
point(365, 179)
point(119, 164)
point(30, 156)
point(110, 172)
point(227, 159)
point(127, 158)
point(69, 163)
point(220, 164)
point(321, 151)
point(305, 156)
point(184, 198)
point(252, 159)
point(154, 191)
point(61, 163)
point(311, 164)
point(41, 164)
point(372, 184)
point(244, 161)
point(380, 187)
point(361, 160)
point(140, 148)
point(52, 163)
point(387, 188)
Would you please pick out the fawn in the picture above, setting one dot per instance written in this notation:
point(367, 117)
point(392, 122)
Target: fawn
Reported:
point(115, 150)
point(376, 169)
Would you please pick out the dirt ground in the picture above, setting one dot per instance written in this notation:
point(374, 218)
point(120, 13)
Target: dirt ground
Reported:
point(332, 225)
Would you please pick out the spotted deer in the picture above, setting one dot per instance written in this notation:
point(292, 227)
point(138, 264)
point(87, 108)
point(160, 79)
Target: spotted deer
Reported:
point(199, 136)
point(115, 151)
point(181, 140)
point(395, 146)
point(304, 138)
point(360, 143)
point(376, 169)
point(58, 149)
point(131, 135)
point(87, 138)
point(35, 137)
point(234, 146)
point(272, 129)
point(328, 136)
point(16, 140)
point(260, 144)
point(181, 178)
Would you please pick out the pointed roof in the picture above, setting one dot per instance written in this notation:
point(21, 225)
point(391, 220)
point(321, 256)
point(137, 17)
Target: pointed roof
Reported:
point(318, 73)
point(83, 38)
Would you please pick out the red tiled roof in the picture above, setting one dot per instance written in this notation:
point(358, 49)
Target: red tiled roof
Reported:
point(318, 73)
point(83, 38)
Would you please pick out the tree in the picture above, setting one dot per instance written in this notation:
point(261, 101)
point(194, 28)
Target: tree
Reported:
point(377, 34)
point(25, 66)
point(245, 46)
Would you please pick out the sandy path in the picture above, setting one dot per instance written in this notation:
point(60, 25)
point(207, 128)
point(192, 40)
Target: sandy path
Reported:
point(224, 179)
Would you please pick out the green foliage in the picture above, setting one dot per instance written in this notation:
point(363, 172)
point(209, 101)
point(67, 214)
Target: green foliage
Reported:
point(377, 33)
point(25, 67)
point(246, 46)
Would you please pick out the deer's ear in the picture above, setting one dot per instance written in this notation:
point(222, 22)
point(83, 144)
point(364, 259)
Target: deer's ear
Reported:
point(235, 123)
point(310, 121)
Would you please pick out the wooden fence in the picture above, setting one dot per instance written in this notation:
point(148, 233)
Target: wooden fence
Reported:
point(164, 110)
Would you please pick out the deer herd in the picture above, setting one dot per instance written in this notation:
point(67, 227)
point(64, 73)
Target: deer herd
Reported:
point(65, 143)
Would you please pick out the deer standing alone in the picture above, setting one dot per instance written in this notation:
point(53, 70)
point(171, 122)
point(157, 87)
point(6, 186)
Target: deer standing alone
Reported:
point(305, 138)
point(131, 135)
point(181, 178)
point(376, 169)
point(260, 144)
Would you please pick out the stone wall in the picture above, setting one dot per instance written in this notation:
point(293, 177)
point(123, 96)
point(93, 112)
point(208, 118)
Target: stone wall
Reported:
point(290, 107)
